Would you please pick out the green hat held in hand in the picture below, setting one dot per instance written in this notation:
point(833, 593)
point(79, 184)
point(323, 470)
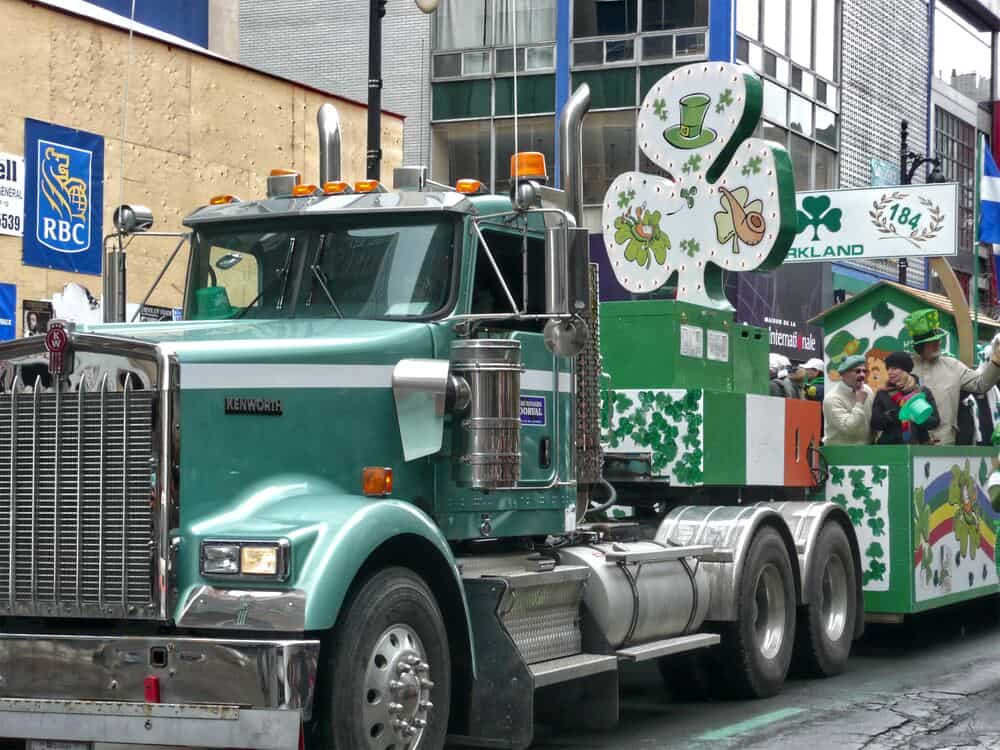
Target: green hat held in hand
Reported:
point(924, 326)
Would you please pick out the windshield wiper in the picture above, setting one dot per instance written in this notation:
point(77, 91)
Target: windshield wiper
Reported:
point(283, 274)
point(320, 278)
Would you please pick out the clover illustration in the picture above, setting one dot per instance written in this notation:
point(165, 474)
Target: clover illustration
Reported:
point(696, 124)
point(962, 495)
point(817, 213)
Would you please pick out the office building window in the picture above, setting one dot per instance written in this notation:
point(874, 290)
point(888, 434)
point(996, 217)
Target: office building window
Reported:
point(461, 150)
point(667, 15)
point(604, 17)
point(533, 134)
point(535, 21)
point(460, 24)
point(608, 150)
point(955, 146)
point(962, 55)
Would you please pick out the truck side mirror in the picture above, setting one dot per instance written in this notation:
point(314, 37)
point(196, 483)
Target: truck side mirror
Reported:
point(567, 289)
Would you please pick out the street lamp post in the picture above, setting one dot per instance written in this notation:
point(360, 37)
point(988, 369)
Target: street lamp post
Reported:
point(376, 12)
point(909, 163)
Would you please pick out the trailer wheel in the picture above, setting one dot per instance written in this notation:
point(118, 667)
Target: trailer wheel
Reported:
point(389, 669)
point(825, 633)
point(759, 644)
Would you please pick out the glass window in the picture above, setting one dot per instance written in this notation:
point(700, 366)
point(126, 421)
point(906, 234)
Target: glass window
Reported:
point(457, 100)
point(689, 44)
point(535, 19)
point(475, 63)
point(534, 134)
point(541, 58)
point(955, 145)
point(821, 87)
point(447, 66)
point(748, 17)
point(461, 149)
point(462, 24)
point(505, 60)
point(775, 103)
point(826, 127)
point(535, 95)
point(588, 53)
point(962, 57)
point(770, 64)
point(800, 115)
point(782, 72)
point(826, 169)
point(796, 78)
point(657, 47)
point(663, 15)
point(604, 17)
point(801, 32)
point(756, 57)
point(621, 50)
point(608, 150)
point(772, 133)
point(775, 24)
point(742, 49)
point(826, 38)
point(801, 153)
point(808, 83)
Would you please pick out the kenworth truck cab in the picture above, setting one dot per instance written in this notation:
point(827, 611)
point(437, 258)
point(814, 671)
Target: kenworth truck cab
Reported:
point(358, 497)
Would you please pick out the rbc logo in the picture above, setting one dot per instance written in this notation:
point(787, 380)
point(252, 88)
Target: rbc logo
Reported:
point(64, 178)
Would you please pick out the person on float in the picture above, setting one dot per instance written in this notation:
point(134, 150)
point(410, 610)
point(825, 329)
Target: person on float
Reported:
point(945, 376)
point(781, 386)
point(797, 378)
point(847, 406)
point(904, 412)
point(815, 384)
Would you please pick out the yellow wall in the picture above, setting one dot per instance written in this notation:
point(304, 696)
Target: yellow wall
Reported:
point(196, 126)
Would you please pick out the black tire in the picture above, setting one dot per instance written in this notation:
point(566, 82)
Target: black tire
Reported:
point(825, 629)
point(756, 650)
point(392, 603)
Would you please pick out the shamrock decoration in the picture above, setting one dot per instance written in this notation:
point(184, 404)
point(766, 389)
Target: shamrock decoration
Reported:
point(625, 198)
point(642, 236)
point(882, 314)
point(963, 496)
point(816, 213)
point(696, 124)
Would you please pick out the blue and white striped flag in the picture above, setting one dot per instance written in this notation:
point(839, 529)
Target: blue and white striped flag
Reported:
point(989, 199)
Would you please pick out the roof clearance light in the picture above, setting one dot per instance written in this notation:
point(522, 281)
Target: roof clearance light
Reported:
point(366, 186)
point(221, 200)
point(308, 189)
point(286, 173)
point(528, 165)
point(470, 187)
point(336, 188)
point(376, 481)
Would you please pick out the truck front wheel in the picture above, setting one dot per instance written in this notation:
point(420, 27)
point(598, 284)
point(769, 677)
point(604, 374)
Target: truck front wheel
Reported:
point(389, 669)
point(758, 646)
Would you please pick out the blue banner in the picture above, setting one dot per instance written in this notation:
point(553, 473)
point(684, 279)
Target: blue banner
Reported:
point(64, 197)
point(8, 304)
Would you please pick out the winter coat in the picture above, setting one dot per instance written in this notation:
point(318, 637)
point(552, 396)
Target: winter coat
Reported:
point(815, 389)
point(846, 421)
point(946, 378)
point(885, 419)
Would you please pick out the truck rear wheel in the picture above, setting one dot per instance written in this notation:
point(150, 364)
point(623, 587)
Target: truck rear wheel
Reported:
point(389, 668)
point(826, 631)
point(759, 644)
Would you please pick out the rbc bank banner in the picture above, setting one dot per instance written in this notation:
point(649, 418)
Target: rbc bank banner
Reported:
point(64, 201)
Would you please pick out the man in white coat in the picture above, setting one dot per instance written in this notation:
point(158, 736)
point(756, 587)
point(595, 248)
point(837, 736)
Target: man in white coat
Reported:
point(946, 376)
point(847, 405)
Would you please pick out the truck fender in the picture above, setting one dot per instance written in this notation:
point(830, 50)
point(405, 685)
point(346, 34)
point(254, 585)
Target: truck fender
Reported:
point(806, 520)
point(729, 530)
point(336, 538)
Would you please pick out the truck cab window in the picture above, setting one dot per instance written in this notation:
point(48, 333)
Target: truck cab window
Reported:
point(488, 296)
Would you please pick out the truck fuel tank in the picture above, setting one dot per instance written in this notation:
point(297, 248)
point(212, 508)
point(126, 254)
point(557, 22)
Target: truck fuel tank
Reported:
point(642, 591)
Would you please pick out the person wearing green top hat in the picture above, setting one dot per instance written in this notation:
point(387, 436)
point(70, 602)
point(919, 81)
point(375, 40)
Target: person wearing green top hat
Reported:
point(847, 406)
point(944, 375)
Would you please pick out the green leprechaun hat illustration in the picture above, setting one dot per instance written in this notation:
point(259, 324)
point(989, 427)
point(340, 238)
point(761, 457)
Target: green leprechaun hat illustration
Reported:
point(843, 345)
point(691, 133)
point(924, 326)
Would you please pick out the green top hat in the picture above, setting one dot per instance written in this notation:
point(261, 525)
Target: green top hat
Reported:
point(691, 133)
point(842, 345)
point(924, 326)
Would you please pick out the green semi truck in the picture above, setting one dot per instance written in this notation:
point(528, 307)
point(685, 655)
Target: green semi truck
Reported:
point(366, 494)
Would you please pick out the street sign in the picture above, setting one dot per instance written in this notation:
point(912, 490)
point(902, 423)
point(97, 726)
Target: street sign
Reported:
point(905, 221)
point(884, 173)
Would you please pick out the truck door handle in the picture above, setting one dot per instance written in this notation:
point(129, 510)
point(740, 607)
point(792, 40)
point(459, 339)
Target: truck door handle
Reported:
point(545, 453)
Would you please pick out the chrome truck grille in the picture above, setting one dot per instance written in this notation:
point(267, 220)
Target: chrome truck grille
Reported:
point(79, 533)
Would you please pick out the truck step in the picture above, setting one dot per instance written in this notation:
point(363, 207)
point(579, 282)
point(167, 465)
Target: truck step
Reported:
point(668, 647)
point(568, 668)
point(667, 554)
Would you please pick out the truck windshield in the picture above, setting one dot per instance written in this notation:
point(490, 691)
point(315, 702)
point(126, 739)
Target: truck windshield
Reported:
point(352, 266)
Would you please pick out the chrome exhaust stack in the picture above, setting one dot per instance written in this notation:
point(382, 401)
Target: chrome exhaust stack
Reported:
point(571, 150)
point(328, 121)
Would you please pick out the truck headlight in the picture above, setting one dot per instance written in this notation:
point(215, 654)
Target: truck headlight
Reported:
point(245, 559)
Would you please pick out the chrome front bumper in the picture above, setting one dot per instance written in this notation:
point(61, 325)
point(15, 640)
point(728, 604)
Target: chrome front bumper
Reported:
point(213, 692)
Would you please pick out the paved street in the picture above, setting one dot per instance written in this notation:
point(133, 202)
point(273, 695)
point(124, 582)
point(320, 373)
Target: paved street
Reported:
point(934, 685)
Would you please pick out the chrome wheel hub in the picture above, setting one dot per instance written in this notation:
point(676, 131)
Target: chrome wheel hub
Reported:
point(769, 612)
point(833, 598)
point(397, 690)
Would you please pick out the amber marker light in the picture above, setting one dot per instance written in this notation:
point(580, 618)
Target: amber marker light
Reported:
point(221, 200)
point(336, 188)
point(366, 186)
point(376, 481)
point(300, 190)
point(528, 165)
point(469, 187)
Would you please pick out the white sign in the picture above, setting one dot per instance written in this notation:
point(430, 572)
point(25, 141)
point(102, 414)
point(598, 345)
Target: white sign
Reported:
point(905, 221)
point(11, 194)
point(692, 341)
point(718, 346)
